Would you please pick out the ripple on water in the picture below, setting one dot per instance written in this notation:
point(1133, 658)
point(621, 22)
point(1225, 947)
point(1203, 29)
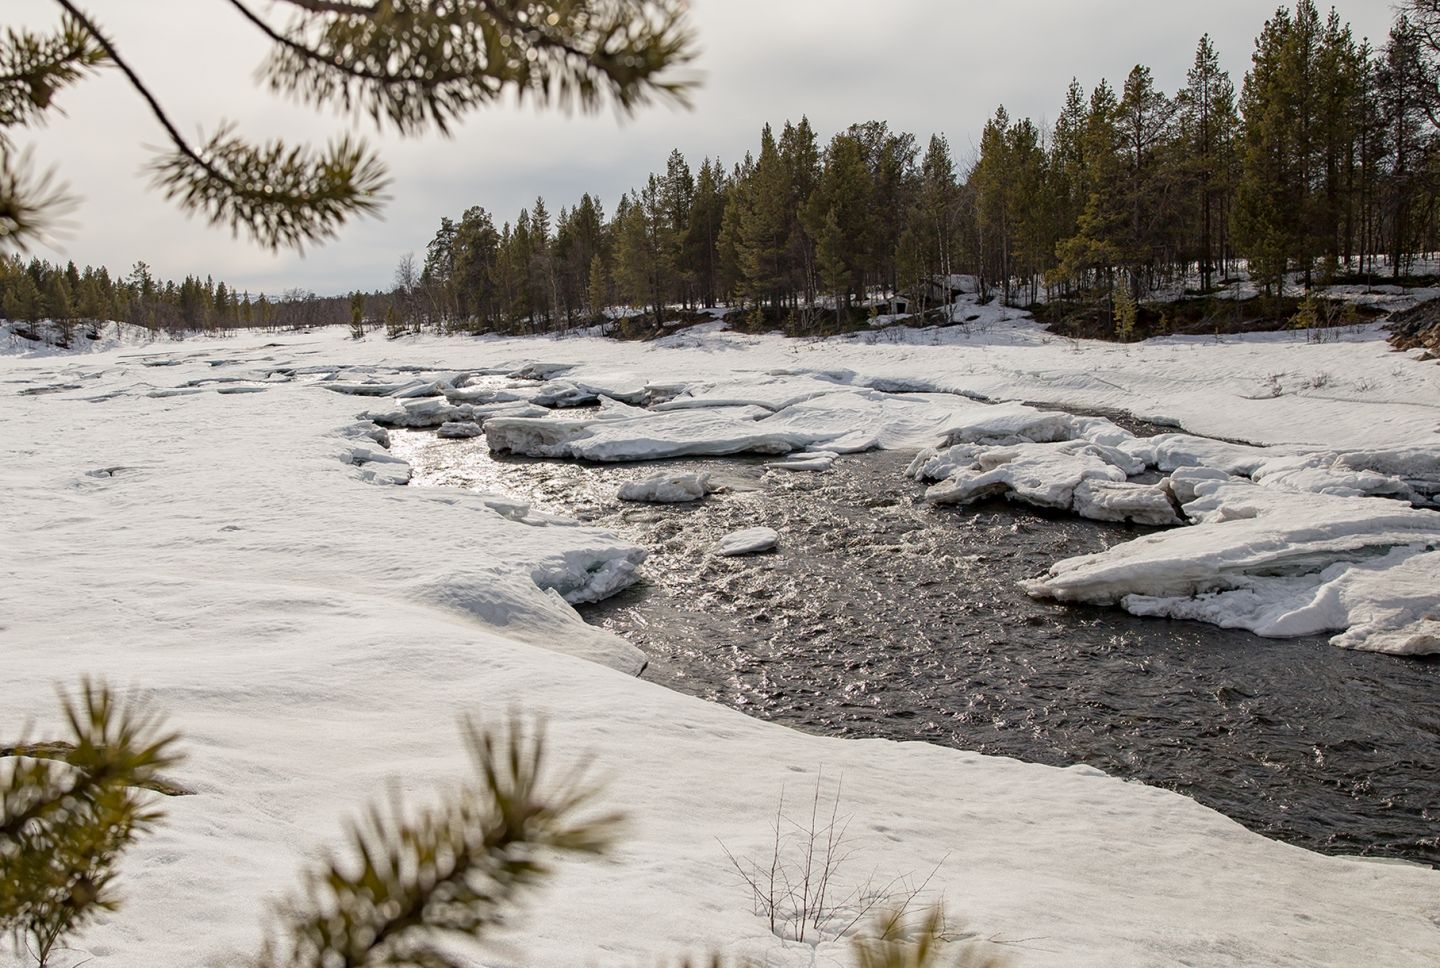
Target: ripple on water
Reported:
point(882, 616)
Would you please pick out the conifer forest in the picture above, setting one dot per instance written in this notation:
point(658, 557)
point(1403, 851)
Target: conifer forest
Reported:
point(1321, 160)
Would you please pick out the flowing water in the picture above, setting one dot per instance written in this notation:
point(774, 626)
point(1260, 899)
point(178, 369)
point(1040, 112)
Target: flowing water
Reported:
point(882, 616)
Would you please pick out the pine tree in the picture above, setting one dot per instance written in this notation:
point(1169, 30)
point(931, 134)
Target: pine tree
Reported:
point(890, 158)
point(841, 217)
point(1402, 80)
point(543, 291)
point(993, 179)
point(1144, 119)
point(800, 154)
point(641, 254)
point(357, 315)
point(414, 66)
point(763, 227)
point(1125, 314)
point(677, 198)
point(475, 250)
point(598, 288)
point(1066, 179)
point(702, 235)
point(932, 238)
point(1208, 122)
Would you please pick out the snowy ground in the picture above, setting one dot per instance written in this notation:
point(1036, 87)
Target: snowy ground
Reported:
point(207, 521)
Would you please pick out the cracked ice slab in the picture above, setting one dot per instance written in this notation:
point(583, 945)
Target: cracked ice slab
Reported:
point(1070, 475)
point(1278, 563)
point(1018, 423)
point(634, 434)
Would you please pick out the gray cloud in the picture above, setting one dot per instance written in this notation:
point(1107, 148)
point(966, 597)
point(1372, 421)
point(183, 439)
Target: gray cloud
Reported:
point(923, 65)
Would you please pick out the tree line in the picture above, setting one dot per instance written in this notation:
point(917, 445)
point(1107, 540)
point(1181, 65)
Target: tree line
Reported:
point(1323, 163)
point(80, 301)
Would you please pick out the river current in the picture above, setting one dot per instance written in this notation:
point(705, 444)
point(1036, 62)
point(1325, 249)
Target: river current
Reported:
point(880, 615)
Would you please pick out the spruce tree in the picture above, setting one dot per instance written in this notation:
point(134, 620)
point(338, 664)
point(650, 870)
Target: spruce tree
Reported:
point(1402, 82)
point(841, 216)
point(702, 235)
point(1208, 122)
point(800, 154)
point(677, 198)
point(598, 289)
point(763, 227)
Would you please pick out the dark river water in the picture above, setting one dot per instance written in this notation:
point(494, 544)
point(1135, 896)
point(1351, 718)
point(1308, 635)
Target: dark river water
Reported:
point(879, 615)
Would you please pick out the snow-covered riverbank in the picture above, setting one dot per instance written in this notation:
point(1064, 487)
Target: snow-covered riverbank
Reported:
point(314, 633)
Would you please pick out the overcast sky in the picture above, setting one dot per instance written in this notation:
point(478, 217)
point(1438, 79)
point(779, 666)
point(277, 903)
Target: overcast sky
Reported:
point(924, 66)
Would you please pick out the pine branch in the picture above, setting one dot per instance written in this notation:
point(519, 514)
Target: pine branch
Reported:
point(417, 65)
point(64, 826)
point(34, 67)
point(281, 196)
point(410, 882)
point(32, 203)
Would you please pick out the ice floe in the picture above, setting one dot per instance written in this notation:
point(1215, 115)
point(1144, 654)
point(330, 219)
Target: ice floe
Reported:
point(809, 460)
point(435, 411)
point(459, 429)
point(748, 541)
point(643, 435)
point(1279, 563)
point(667, 488)
point(1044, 475)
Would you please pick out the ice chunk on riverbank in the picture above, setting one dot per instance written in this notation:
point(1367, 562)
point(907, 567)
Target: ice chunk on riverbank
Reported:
point(590, 573)
point(747, 542)
point(437, 411)
point(1017, 423)
point(1167, 452)
point(579, 393)
point(1417, 467)
point(374, 388)
point(816, 461)
point(377, 466)
point(459, 429)
point(1321, 473)
point(484, 395)
point(644, 435)
point(772, 391)
point(558, 394)
point(1386, 604)
point(1278, 563)
point(522, 611)
point(667, 488)
point(1045, 475)
point(1184, 480)
point(424, 412)
point(1107, 500)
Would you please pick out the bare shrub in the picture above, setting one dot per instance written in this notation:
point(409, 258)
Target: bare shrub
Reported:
point(803, 887)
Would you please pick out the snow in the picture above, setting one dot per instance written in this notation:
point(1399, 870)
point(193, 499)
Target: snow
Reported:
point(1072, 474)
point(667, 488)
point(567, 393)
point(1012, 423)
point(1045, 475)
point(315, 630)
point(1101, 499)
point(747, 541)
point(1170, 452)
point(1276, 562)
